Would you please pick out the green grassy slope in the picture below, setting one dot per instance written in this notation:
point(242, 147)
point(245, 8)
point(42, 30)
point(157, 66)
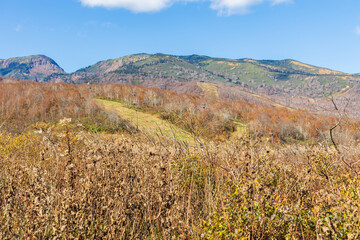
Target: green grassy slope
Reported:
point(277, 76)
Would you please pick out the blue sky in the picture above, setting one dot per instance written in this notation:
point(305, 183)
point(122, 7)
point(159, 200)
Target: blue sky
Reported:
point(78, 33)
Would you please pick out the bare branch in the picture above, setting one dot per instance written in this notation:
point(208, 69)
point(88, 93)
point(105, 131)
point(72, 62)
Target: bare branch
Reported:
point(341, 116)
point(336, 125)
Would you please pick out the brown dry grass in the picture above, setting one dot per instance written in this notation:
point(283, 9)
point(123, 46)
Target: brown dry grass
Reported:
point(147, 122)
point(321, 71)
point(210, 90)
point(66, 183)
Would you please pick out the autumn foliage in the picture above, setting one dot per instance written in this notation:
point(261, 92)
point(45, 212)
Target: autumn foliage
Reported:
point(70, 169)
point(23, 104)
point(67, 183)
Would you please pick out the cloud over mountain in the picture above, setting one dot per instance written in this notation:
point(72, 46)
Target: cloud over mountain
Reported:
point(222, 6)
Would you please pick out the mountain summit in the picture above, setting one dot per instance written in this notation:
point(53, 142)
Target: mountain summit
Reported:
point(269, 77)
point(164, 71)
point(35, 67)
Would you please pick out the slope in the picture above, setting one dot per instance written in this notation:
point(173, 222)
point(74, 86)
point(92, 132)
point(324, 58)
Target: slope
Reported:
point(36, 67)
point(142, 68)
point(167, 71)
point(263, 77)
point(148, 123)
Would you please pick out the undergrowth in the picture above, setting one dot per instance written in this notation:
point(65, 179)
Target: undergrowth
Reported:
point(69, 169)
point(65, 182)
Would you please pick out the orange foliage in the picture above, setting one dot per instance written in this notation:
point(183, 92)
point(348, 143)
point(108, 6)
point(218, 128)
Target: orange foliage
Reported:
point(28, 102)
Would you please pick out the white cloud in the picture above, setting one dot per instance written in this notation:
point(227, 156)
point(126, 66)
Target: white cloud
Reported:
point(357, 30)
point(133, 5)
point(274, 2)
point(227, 7)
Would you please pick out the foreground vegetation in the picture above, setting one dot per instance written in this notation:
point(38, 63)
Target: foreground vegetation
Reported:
point(64, 175)
point(66, 183)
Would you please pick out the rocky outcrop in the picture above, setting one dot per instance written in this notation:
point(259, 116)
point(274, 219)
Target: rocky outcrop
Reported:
point(36, 67)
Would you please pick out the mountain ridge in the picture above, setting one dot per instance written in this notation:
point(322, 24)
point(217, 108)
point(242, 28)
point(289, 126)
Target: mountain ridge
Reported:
point(272, 77)
point(33, 67)
point(182, 57)
point(287, 82)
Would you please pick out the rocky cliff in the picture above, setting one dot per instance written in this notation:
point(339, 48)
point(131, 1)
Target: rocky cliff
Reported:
point(36, 67)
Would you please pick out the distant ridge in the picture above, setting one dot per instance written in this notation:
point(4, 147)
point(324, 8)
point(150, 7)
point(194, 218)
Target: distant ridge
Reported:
point(35, 67)
point(271, 77)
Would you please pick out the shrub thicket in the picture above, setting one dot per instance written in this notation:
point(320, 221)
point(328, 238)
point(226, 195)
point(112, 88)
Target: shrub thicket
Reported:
point(63, 180)
point(66, 183)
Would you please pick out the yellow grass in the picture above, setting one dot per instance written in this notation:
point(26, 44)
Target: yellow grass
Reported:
point(270, 101)
point(239, 132)
point(229, 63)
point(210, 89)
point(322, 71)
point(302, 64)
point(311, 100)
point(154, 125)
point(342, 91)
point(249, 60)
point(148, 123)
point(327, 71)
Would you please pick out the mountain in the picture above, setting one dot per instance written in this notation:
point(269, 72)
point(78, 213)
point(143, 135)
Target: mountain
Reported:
point(277, 83)
point(36, 67)
point(151, 70)
point(272, 77)
point(265, 77)
point(277, 77)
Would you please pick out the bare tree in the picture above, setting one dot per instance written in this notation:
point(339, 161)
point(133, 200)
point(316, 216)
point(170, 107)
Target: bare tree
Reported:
point(338, 123)
point(341, 114)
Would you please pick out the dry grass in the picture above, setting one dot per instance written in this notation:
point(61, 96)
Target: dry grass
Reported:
point(321, 71)
point(66, 183)
point(210, 90)
point(147, 122)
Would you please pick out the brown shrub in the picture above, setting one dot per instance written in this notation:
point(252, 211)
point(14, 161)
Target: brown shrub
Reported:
point(66, 183)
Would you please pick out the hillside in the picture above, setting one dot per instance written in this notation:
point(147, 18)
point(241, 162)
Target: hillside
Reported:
point(144, 69)
point(148, 123)
point(36, 67)
point(269, 76)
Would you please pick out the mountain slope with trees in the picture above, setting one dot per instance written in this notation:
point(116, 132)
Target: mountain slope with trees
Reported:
point(269, 78)
point(35, 67)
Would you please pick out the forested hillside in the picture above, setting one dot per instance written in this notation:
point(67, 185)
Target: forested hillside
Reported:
point(270, 77)
point(36, 68)
point(24, 103)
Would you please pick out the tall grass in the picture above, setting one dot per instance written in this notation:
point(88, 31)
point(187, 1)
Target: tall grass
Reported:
point(278, 179)
point(68, 183)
